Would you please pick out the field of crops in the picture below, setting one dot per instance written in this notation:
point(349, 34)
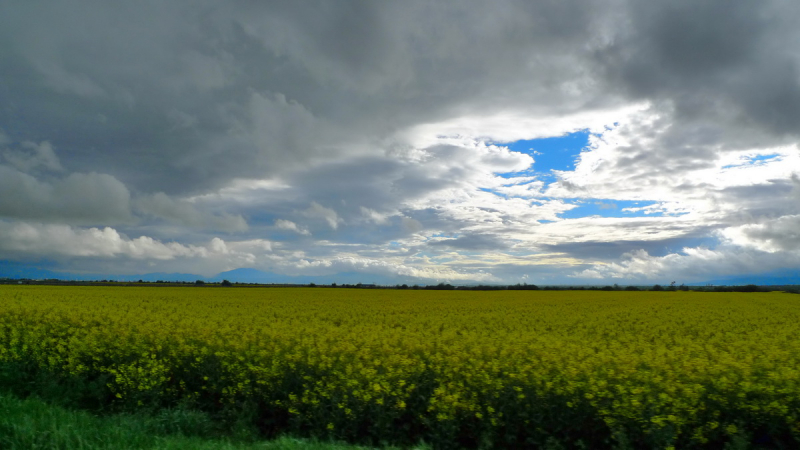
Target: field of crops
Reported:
point(452, 368)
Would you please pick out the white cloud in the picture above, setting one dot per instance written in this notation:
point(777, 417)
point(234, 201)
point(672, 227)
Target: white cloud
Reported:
point(374, 216)
point(378, 267)
point(288, 225)
point(93, 249)
point(317, 211)
point(652, 158)
point(776, 235)
point(80, 198)
point(510, 126)
point(254, 246)
point(64, 240)
point(695, 264)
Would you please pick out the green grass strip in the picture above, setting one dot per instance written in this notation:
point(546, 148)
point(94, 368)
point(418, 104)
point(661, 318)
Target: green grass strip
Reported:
point(33, 424)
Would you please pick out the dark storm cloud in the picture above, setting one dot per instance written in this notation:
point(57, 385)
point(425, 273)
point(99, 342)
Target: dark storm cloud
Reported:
point(760, 201)
point(609, 251)
point(83, 199)
point(182, 97)
point(731, 61)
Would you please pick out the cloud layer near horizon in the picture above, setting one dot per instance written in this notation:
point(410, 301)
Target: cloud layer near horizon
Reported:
point(323, 138)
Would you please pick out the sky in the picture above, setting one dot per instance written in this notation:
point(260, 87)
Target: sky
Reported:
point(546, 142)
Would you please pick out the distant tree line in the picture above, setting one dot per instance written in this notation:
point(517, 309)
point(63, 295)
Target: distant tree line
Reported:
point(794, 289)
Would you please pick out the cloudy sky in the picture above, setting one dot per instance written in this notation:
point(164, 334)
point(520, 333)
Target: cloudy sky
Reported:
point(551, 141)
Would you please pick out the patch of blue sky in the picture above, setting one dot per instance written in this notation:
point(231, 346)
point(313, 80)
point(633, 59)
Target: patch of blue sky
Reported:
point(599, 207)
point(443, 235)
point(609, 208)
point(553, 153)
point(754, 160)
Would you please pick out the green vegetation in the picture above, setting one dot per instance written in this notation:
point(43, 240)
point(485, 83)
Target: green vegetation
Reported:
point(34, 424)
point(456, 369)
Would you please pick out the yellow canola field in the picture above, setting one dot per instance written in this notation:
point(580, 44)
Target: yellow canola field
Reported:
point(683, 364)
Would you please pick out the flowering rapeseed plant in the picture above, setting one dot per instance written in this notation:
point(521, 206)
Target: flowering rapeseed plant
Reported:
point(662, 367)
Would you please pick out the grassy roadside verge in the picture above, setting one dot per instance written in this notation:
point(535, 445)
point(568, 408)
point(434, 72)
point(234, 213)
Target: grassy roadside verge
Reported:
point(34, 424)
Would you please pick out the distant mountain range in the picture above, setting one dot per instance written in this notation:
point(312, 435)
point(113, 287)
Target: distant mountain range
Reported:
point(258, 276)
point(15, 271)
point(9, 269)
